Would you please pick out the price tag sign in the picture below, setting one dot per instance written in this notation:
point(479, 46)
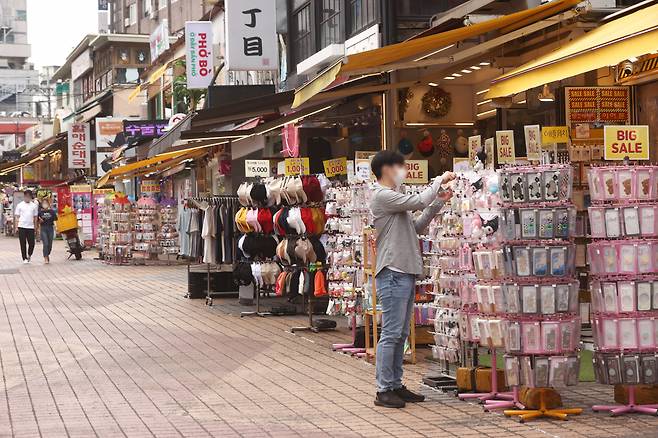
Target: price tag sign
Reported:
point(362, 170)
point(474, 145)
point(256, 168)
point(416, 172)
point(623, 141)
point(505, 144)
point(297, 166)
point(335, 166)
point(532, 142)
point(554, 134)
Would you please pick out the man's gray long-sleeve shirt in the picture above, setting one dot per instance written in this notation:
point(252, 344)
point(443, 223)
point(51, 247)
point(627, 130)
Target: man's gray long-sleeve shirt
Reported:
point(397, 231)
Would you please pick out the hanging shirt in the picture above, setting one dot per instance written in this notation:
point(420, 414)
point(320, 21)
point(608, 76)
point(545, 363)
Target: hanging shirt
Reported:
point(208, 235)
point(183, 226)
point(194, 232)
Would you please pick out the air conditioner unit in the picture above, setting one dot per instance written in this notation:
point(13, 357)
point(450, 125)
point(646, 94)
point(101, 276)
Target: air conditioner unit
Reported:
point(126, 22)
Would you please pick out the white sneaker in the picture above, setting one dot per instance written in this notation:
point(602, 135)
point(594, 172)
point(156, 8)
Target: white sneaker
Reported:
point(29, 259)
point(25, 262)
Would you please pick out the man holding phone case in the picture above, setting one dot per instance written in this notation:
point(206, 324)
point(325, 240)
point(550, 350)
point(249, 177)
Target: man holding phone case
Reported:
point(399, 262)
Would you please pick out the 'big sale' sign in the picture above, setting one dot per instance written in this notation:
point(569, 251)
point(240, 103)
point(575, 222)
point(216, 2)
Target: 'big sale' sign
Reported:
point(623, 141)
point(416, 172)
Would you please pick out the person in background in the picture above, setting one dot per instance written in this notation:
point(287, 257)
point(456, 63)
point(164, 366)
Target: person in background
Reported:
point(399, 262)
point(26, 220)
point(47, 218)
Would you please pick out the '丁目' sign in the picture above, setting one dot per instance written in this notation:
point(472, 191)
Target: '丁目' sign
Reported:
point(198, 54)
point(297, 166)
point(505, 145)
point(554, 134)
point(623, 141)
point(251, 39)
point(335, 166)
point(416, 172)
point(256, 168)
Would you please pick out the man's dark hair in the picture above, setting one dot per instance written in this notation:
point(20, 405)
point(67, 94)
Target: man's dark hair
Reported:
point(28, 193)
point(384, 158)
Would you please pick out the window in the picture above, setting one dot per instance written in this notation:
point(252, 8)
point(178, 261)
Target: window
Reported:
point(331, 29)
point(302, 40)
point(147, 7)
point(362, 14)
point(162, 4)
point(21, 15)
point(132, 14)
point(9, 39)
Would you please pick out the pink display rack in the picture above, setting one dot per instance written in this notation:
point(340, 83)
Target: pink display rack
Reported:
point(494, 397)
point(629, 408)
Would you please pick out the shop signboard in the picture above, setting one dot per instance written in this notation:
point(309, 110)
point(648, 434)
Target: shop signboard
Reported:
point(199, 54)
point(416, 172)
point(474, 145)
point(335, 166)
point(257, 168)
point(554, 134)
point(145, 128)
point(79, 143)
point(532, 142)
point(297, 166)
point(251, 39)
point(159, 39)
point(149, 187)
point(505, 145)
point(597, 105)
point(622, 141)
point(109, 132)
point(82, 206)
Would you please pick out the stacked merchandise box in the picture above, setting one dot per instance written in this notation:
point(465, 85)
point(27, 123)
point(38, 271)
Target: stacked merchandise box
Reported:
point(120, 239)
point(623, 260)
point(146, 228)
point(168, 233)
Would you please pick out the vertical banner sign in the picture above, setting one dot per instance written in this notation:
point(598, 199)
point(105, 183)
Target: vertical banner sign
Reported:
point(251, 40)
point(623, 141)
point(474, 145)
point(416, 172)
point(490, 150)
point(505, 144)
point(532, 142)
point(335, 166)
point(79, 146)
point(198, 54)
point(159, 39)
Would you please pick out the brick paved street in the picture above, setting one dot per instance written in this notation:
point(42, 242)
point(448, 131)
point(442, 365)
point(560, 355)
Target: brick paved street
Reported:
point(93, 350)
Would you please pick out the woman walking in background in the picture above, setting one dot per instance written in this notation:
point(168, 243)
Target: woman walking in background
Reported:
point(47, 218)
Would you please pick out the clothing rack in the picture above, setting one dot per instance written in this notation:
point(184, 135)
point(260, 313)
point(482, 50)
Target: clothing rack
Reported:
point(257, 312)
point(309, 327)
point(196, 201)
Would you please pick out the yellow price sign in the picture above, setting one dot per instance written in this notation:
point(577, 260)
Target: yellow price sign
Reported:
point(297, 166)
point(335, 166)
point(554, 134)
point(623, 141)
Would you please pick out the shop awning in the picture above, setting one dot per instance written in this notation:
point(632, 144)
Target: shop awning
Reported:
point(629, 36)
point(382, 59)
point(36, 153)
point(157, 74)
point(152, 165)
point(162, 144)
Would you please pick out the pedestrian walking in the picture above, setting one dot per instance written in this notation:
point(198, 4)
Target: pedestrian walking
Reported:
point(26, 219)
point(47, 217)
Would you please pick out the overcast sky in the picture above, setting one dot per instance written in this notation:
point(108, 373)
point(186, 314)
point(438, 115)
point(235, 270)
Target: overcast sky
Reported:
point(57, 26)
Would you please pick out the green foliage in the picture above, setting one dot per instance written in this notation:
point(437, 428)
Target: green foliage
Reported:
point(186, 100)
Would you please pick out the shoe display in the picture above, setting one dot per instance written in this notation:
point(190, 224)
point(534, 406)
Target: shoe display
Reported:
point(408, 396)
point(389, 399)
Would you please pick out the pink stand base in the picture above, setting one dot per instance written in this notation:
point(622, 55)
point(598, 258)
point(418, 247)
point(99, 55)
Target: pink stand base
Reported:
point(630, 408)
point(488, 396)
point(341, 346)
point(490, 405)
point(494, 399)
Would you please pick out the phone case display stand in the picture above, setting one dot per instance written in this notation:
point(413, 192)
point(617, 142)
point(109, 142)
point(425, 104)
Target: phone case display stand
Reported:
point(624, 298)
point(538, 297)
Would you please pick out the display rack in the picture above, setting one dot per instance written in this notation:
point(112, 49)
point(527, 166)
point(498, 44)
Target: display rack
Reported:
point(120, 238)
point(146, 229)
point(257, 311)
point(168, 235)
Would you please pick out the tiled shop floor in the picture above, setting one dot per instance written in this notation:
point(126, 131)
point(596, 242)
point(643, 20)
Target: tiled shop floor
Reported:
point(88, 349)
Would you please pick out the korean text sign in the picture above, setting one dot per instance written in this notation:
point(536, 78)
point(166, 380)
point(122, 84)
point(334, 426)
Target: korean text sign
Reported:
point(79, 146)
point(251, 39)
point(335, 166)
point(623, 141)
point(199, 54)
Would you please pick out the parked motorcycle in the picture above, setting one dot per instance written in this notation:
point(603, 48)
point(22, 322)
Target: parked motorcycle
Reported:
point(67, 225)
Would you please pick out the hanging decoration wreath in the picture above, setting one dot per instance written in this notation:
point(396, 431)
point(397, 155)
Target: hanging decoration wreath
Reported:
point(404, 97)
point(436, 102)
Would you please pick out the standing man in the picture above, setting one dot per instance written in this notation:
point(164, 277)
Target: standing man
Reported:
point(399, 262)
point(26, 219)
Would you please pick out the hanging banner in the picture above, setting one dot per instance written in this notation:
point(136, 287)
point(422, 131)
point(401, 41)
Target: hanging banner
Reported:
point(474, 145)
point(554, 134)
point(290, 139)
point(199, 56)
point(159, 39)
point(79, 146)
point(251, 39)
point(336, 166)
point(297, 166)
point(621, 141)
point(416, 172)
point(505, 145)
point(532, 142)
point(256, 168)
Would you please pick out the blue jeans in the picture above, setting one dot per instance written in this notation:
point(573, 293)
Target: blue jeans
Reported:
point(47, 235)
point(395, 294)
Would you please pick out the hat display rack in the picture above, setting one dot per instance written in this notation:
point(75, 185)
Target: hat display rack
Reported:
point(623, 259)
point(535, 295)
point(347, 215)
point(449, 246)
point(290, 212)
point(204, 204)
